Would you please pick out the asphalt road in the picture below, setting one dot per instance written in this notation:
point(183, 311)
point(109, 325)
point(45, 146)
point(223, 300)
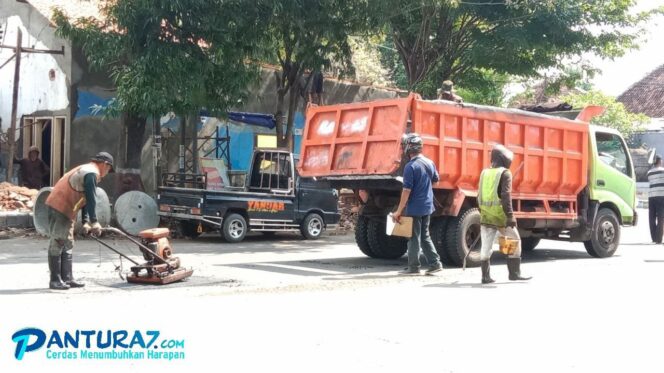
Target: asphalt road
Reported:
point(295, 305)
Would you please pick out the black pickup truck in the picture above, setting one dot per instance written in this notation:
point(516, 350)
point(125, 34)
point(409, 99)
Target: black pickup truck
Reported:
point(274, 199)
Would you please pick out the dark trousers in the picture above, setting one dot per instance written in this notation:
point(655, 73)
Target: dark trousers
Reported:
point(421, 241)
point(656, 215)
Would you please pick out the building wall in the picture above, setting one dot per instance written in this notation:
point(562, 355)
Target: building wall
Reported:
point(39, 95)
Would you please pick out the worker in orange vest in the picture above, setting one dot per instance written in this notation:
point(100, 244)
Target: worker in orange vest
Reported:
point(74, 191)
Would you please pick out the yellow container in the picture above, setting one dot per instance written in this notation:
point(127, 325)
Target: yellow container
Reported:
point(507, 245)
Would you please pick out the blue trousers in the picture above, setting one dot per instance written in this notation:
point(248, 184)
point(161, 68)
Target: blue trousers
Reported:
point(421, 240)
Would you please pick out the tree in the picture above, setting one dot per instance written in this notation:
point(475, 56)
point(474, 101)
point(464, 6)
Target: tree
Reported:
point(168, 56)
point(517, 37)
point(616, 115)
point(307, 36)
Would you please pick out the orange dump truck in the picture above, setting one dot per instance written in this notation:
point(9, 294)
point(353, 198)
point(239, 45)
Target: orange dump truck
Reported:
point(572, 181)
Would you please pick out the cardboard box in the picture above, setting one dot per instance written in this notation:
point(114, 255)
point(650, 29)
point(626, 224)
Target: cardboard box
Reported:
point(404, 228)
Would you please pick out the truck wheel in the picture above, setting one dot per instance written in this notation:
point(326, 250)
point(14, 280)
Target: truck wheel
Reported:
point(234, 228)
point(605, 235)
point(529, 243)
point(189, 229)
point(362, 236)
point(438, 228)
point(312, 226)
point(382, 245)
point(462, 232)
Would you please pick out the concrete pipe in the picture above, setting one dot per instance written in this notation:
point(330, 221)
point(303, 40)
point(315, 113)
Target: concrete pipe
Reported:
point(135, 212)
point(40, 211)
point(103, 208)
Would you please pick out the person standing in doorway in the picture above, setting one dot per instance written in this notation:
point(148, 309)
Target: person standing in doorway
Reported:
point(76, 190)
point(656, 200)
point(494, 197)
point(33, 170)
point(417, 199)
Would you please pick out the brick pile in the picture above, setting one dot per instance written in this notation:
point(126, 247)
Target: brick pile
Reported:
point(16, 198)
point(348, 208)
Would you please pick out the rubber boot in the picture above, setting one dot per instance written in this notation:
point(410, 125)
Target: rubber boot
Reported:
point(67, 275)
point(514, 268)
point(486, 272)
point(56, 282)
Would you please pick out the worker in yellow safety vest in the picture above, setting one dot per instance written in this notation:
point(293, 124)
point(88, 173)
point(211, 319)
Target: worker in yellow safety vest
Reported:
point(494, 198)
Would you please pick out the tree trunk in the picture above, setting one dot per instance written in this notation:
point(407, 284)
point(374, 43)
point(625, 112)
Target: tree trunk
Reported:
point(293, 102)
point(134, 131)
point(279, 113)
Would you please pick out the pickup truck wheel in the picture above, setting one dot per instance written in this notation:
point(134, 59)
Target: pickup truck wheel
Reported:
point(462, 232)
point(529, 243)
point(234, 228)
point(382, 245)
point(605, 236)
point(438, 228)
point(312, 226)
point(362, 236)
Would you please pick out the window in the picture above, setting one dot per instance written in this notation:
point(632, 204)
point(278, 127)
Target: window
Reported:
point(611, 150)
point(271, 171)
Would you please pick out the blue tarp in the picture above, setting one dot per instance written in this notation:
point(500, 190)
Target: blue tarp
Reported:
point(263, 120)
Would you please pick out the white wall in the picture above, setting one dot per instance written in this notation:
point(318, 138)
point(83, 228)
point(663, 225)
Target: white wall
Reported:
point(36, 91)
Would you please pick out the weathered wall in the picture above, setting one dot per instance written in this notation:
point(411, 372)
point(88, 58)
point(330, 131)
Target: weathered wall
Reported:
point(38, 93)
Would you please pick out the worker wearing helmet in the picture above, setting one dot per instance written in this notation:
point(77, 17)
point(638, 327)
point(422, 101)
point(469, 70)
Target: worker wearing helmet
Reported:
point(417, 200)
point(446, 92)
point(34, 172)
point(494, 198)
point(76, 190)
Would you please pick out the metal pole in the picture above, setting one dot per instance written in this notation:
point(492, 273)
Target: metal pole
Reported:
point(193, 122)
point(183, 140)
point(12, 129)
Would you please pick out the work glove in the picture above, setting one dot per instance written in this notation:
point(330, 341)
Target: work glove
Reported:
point(95, 230)
point(511, 222)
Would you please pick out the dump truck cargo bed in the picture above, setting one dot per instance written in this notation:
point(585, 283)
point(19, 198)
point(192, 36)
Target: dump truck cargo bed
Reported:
point(362, 142)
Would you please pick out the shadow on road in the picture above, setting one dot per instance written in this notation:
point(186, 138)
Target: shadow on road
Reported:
point(473, 285)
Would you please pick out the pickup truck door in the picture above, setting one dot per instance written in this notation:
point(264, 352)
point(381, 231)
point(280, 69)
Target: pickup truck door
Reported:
point(612, 176)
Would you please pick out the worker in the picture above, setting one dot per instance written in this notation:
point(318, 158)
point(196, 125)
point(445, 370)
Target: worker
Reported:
point(494, 198)
point(34, 171)
point(446, 92)
point(74, 191)
point(656, 200)
point(417, 199)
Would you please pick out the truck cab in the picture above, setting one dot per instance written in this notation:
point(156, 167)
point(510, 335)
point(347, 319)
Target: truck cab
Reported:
point(274, 199)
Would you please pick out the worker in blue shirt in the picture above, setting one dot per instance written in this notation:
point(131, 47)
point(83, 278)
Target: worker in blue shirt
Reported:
point(417, 199)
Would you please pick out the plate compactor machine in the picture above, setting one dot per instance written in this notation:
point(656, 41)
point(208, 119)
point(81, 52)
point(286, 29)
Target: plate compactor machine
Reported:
point(161, 267)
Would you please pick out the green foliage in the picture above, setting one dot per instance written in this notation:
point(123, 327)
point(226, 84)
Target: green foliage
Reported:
point(168, 55)
point(448, 38)
point(615, 116)
point(306, 35)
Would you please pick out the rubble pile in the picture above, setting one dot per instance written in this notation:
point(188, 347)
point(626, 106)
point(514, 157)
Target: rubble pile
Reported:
point(348, 208)
point(16, 198)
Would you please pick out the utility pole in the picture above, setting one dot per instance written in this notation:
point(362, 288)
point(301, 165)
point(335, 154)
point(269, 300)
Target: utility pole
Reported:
point(11, 133)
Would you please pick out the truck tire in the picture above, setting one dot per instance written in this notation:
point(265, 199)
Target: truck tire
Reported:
point(438, 230)
point(462, 231)
point(529, 243)
point(605, 236)
point(312, 226)
point(189, 229)
point(234, 228)
point(362, 236)
point(382, 245)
